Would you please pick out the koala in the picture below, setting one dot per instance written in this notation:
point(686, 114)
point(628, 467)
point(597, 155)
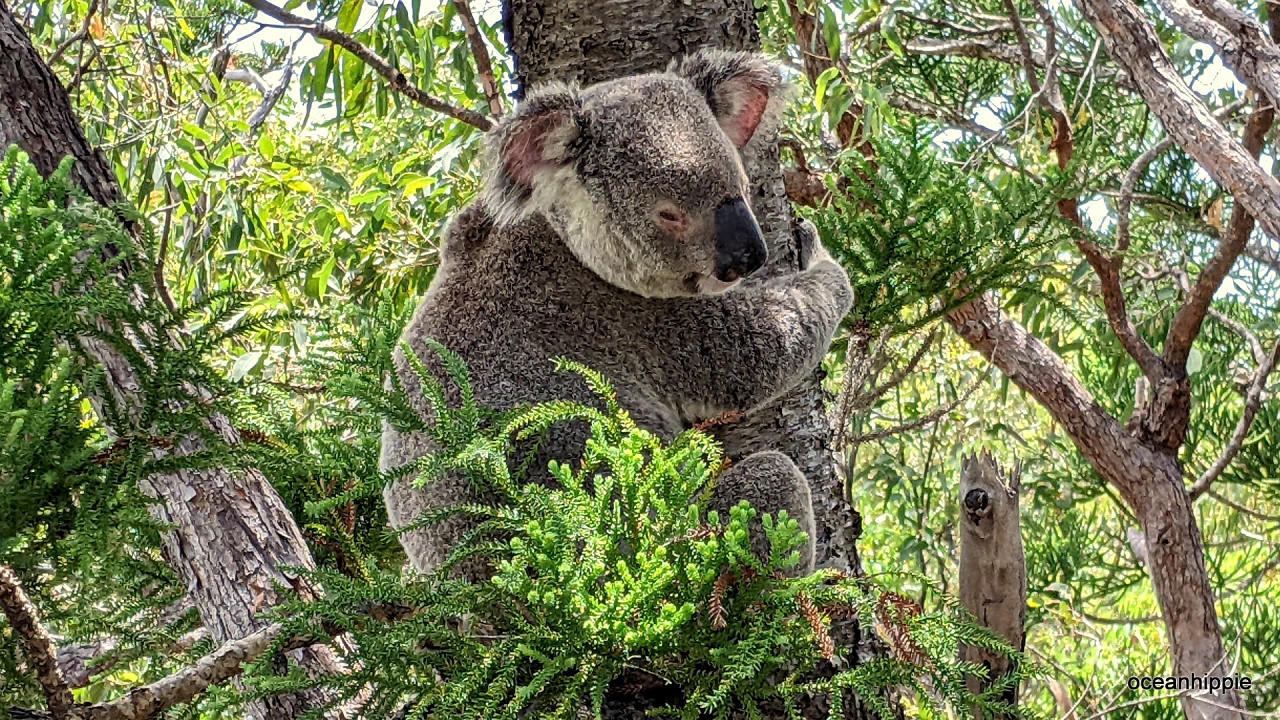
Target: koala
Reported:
point(614, 229)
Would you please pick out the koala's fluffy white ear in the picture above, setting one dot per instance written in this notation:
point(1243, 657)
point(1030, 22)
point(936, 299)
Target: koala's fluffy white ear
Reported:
point(744, 90)
point(535, 139)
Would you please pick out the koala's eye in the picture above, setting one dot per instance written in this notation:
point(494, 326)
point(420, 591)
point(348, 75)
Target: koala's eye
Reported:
point(672, 218)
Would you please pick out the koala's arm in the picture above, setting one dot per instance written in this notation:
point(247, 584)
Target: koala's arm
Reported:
point(737, 351)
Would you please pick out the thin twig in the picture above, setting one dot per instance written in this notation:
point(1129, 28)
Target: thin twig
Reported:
point(1024, 45)
point(79, 35)
point(1107, 712)
point(858, 362)
point(1242, 509)
point(1255, 346)
point(1190, 316)
point(1252, 403)
point(1124, 204)
point(864, 400)
point(396, 79)
point(1107, 268)
point(928, 419)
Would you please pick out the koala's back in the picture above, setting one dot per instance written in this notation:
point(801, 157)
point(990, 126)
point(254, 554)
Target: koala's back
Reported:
point(508, 301)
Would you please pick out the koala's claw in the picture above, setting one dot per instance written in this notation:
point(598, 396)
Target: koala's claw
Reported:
point(812, 251)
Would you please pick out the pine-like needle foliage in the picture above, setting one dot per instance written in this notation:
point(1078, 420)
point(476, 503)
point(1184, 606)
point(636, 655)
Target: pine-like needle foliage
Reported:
point(73, 523)
point(912, 228)
point(614, 580)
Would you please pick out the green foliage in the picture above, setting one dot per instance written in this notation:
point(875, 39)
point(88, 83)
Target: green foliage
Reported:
point(354, 183)
point(919, 235)
point(612, 576)
point(317, 437)
point(73, 523)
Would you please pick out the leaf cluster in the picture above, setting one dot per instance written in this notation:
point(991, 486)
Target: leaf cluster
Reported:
point(920, 235)
point(613, 584)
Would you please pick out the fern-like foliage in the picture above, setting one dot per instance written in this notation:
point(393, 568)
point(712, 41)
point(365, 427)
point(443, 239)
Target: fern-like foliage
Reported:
point(73, 523)
point(76, 285)
point(912, 228)
point(613, 580)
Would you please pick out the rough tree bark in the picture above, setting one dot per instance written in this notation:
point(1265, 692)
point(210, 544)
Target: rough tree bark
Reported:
point(1149, 480)
point(1140, 457)
point(993, 567)
point(587, 41)
point(230, 531)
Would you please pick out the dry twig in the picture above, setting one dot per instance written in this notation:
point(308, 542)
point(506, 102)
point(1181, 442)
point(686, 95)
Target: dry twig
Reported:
point(480, 52)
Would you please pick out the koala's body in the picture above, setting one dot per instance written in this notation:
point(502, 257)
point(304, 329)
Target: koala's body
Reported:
point(613, 230)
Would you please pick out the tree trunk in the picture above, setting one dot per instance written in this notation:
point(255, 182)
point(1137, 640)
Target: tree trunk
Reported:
point(993, 567)
point(230, 531)
point(1149, 481)
point(587, 41)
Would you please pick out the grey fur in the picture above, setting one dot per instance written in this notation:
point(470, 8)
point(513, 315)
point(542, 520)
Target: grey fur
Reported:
point(568, 253)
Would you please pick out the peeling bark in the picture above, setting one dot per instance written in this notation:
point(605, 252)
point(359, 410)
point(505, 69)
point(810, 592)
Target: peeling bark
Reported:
point(230, 532)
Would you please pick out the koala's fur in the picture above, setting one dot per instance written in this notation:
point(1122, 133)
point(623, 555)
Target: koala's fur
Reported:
point(600, 236)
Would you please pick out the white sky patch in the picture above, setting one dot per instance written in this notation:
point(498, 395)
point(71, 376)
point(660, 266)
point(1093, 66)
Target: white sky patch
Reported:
point(1217, 76)
point(987, 118)
point(948, 137)
point(1097, 215)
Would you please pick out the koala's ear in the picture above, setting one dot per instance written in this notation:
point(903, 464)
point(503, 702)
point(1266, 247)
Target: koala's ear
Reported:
point(744, 90)
point(535, 139)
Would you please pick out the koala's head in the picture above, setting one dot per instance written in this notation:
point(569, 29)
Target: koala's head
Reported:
point(642, 176)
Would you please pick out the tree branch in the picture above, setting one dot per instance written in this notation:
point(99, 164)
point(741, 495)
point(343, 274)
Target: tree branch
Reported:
point(79, 35)
point(924, 420)
point(1190, 316)
point(996, 50)
point(1252, 403)
point(1124, 204)
point(1107, 268)
point(396, 79)
point(817, 59)
point(24, 621)
point(923, 108)
point(1040, 372)
point(864, 399)
point(1263, 254)
point(215, 668)
point(183, 686)
point(1241, 42)
point(1134, 45)
point(246, 76)
point(480, 52)
point(1255, 347)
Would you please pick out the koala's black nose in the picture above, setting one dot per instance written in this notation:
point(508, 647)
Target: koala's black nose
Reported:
point(740, 248)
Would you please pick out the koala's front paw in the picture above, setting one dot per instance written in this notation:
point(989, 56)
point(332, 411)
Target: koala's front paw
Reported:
point(812, 251)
